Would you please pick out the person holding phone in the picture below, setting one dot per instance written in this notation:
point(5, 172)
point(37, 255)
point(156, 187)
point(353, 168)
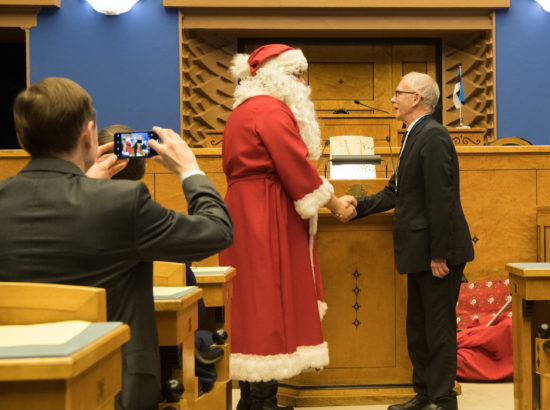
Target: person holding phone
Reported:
point(62, 226)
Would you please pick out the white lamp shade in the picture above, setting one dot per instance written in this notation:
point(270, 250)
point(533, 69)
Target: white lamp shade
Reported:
point(545, 4)
point(112, 7)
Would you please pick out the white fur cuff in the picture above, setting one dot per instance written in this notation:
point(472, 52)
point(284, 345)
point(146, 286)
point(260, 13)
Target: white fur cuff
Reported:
point(310, 204)
point(255, 368)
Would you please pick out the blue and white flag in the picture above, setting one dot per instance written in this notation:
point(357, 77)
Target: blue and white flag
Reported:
point(458, 93)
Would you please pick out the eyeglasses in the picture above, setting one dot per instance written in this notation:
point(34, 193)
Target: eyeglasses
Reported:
point(399, 92)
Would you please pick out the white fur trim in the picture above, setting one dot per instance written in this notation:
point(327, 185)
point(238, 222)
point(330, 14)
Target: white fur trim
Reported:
point(310, 203)
point(256, 368)
point(322, 309)
point(239, 66)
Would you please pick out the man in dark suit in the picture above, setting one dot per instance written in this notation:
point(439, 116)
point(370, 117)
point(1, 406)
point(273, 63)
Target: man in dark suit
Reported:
point(431, 240)
point(61, 226)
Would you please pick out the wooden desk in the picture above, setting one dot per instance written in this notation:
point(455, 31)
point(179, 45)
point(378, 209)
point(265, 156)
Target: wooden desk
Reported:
point(217, 285)
point(530, 288)
point(542, 363)
point(86, 379)
point(177, 321)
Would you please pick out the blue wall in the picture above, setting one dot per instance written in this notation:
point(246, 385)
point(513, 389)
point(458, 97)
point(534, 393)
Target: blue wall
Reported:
point(523, 66)
point(128, 63)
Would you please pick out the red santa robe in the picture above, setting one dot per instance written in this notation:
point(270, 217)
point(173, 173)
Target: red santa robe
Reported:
point(273, 195)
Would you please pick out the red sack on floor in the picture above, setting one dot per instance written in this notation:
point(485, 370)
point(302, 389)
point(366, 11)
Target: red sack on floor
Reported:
point(485, 353)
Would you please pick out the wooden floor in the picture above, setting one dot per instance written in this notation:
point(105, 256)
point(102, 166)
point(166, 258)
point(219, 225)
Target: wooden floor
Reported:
point(475, 396)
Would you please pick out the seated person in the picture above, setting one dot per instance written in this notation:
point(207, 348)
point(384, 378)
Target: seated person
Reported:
point(135, 169)
point(62, 226)
point(204, 367)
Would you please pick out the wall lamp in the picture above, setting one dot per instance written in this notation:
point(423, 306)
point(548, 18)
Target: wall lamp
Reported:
point(357, 160)
point(112, 7)
point(545, 4)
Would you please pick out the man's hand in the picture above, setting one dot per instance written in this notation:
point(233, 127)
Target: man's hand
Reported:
point(174, 153)
point(343, 208)
point(106, 165)
point(439, 268)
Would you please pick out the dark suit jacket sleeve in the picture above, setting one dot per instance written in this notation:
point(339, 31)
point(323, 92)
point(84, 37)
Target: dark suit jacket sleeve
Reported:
point(438, 163)
point(163, 234)
point(380, 202)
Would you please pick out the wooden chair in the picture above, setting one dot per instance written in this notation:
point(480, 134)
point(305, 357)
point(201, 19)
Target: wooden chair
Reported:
point(25, 303)
point(83, 373)
point(168, 274)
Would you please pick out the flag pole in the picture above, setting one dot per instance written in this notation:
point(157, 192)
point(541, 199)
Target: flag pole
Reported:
point(461, 123)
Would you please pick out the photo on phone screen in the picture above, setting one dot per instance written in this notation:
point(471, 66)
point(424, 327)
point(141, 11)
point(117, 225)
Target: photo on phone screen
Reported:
point(134, 144)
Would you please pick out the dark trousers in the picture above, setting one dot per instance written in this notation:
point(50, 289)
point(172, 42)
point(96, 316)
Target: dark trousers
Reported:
point(431, 333)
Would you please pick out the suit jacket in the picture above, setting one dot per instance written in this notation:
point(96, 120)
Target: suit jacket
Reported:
point(59, 226)
point(429, 222)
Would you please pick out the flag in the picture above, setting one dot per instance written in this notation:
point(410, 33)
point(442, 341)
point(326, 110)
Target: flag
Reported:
point(458, 93)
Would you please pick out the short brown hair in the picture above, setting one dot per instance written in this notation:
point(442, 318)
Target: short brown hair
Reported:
point(135, 169)
point(50, 114)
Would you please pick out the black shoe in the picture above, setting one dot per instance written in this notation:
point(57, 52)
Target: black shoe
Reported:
point(245, 402)
point(172, 390)
point(209, 356)
point(220, 336)
point(416, 403)
point(435, 406)
point(264, 396)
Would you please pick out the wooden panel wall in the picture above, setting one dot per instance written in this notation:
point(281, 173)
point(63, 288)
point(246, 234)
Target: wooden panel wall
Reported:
point(474, 52)
point(340, 72)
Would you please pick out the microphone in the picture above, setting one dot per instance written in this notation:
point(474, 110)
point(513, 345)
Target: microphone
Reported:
point(391, 154)
point(326, 144)
point(368, 106)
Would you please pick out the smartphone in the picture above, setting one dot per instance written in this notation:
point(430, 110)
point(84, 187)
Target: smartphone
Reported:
point(134, 144)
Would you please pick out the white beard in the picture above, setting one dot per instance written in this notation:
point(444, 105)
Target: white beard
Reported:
point(294, 94)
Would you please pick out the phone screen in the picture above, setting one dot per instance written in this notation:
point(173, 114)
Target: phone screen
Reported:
point(134, 144)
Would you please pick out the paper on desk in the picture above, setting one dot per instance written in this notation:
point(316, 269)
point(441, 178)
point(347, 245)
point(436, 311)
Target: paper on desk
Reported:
point(352, 145)
point(211, 269)
point(169, 290)
point(56, 333)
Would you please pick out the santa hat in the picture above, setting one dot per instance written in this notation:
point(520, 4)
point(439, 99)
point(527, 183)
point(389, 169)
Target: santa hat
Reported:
point(289, 60)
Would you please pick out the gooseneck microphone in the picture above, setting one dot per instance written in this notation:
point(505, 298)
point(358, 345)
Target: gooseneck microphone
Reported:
point(369, 107)
point(391, 154)
point(325, 145)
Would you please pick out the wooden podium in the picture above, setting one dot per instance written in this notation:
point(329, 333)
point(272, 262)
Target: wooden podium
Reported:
point(530, 288)
point(365, 322)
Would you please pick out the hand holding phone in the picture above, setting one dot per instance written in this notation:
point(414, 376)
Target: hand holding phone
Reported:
point(134, 144)
point(174, 153)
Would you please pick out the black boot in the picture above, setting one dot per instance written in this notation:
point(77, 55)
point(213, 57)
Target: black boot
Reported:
point(245, 401)
point(264, 396)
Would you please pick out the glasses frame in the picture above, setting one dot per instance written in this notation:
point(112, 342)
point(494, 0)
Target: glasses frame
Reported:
point(399, 92)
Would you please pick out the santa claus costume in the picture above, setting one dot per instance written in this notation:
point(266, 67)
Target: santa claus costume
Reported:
point(274, 193)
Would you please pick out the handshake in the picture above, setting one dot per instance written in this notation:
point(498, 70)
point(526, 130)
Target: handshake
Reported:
point(343, 208)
